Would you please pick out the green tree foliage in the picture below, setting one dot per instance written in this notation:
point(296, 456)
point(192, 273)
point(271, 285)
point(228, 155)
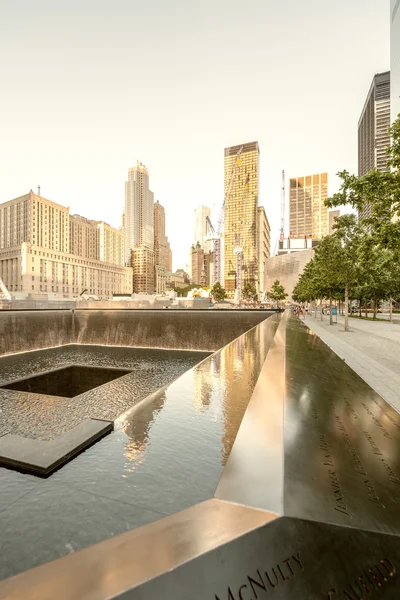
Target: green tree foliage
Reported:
point(218, 292)
point(277, 291)
point(249, 292)
point(381, 191)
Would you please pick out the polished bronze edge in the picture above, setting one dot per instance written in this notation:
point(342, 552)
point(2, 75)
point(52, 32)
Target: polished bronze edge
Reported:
point(259, 441)
point(126, 561)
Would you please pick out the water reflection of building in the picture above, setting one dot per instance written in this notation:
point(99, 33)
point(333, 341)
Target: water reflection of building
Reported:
point(203, 386)
point(240, 366)
point(137, 427)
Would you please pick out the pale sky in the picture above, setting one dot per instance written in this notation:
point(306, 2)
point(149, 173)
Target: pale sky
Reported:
point(90, 86)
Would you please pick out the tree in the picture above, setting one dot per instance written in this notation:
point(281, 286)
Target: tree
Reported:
point(277, 291)
point(347, 260)
point(381, 191)
point(249, 292)
point(218, 292)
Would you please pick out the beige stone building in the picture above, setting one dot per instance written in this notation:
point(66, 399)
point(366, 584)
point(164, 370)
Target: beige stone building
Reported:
point(175, 280)
point(35, 252)
point(162, 249)
point(111, 244)
point(31, 218)
point(30, 268)
point(161, 279)
point(84, 237)
point(143, 270)
point(264, 244)
point(197, 264)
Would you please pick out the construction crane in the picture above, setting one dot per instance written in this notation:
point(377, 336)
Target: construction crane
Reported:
point(282, 228)
point(215, 235)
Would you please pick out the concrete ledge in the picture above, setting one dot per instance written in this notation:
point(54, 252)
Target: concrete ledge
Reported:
point(42, 458)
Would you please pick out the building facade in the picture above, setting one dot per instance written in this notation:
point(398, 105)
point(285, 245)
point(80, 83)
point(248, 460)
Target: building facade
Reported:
point(175, 280)
point(50, 266)
point(162, 249)
point(32, 218)
point(264, 245)
point(201, 213)
point(34, 269)
point(143, 270)
point(139, 229)
point(373, 130)
point(308, 215)
point(161, 279)
point(209, 268)
point(287, 268)
point(241, 176)
point(394, 59)
point(111, 244)
point(139, 211)
point(84, 237)
point(197, 264)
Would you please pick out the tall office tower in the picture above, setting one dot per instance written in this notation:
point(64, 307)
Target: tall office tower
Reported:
point(373, 130)
point(111, 242)
point(394, 59)
point(83, 237)
point(197, 264)
point(308, 215)
point(264, 245)
point(139, 211)
point(139, 228)
point(241, 190)
point(201, 213)
point(162, 249)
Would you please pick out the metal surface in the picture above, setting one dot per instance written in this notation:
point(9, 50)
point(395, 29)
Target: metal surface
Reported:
point(133, 558)
point(316, 446)
point(254, 473)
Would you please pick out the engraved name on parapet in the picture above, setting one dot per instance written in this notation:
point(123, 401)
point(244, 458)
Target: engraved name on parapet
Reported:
point(265, 581)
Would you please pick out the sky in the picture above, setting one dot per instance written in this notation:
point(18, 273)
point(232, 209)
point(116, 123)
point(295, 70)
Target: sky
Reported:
point(89, 87)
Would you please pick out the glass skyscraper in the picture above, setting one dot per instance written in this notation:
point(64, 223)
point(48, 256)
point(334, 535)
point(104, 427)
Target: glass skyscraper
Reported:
point(241, 202)
point(308, 215)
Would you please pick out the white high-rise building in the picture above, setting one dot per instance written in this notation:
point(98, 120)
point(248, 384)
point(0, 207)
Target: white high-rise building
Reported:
point(394, 59)
point(139, 211)
point(201, 213)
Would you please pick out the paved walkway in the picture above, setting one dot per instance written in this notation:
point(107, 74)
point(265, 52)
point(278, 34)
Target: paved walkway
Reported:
point(370, 348)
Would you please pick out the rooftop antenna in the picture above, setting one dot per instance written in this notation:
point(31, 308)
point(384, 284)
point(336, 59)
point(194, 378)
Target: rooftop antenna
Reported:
point(38, 190)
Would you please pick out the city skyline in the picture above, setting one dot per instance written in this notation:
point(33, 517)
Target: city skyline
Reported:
point(85, 120)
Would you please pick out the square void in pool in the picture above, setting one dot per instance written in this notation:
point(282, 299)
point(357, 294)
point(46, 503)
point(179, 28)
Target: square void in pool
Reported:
point(66, 382)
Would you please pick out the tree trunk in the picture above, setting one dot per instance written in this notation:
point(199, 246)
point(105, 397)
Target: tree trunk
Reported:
point(330, 309)
point(360, 309)
point(315, 309)
point(375, 307)
point(391, 309)
point(346, 307)
point(322, 314)
point(366, 308)
point(339, 308)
